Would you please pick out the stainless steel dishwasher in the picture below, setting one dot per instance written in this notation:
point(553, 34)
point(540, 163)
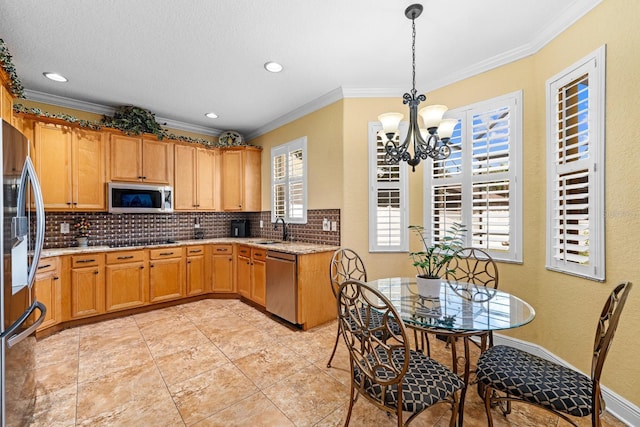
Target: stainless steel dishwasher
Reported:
point(282, 285)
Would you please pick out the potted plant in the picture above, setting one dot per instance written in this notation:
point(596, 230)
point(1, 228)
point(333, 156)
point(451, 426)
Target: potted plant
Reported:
point(431, 262)
point(82, 226)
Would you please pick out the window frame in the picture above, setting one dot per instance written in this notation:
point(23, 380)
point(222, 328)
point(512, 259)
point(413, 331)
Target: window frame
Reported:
point(286, 149)
point(375, 185)
point(514, 101)
point(594, 66)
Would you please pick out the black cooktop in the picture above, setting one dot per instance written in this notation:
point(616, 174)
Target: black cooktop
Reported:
point(141, 243)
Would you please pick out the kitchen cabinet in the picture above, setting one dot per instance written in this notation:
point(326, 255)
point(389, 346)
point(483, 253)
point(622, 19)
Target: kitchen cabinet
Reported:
point(6, 104)
point(241, 179)
point(252, 278)
point(48, 290)
point(70, 163)
point(196, 272)
point(87, 285)
point(221, 263)
point(166, 274)
point(126, 280)
point(197, 182)
point(141, 159)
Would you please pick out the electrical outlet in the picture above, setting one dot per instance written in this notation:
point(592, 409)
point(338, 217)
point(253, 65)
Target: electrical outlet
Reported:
point(326, 226)
point(196, 225)
point(261, 224)
point(334, 226)
point(64, 228)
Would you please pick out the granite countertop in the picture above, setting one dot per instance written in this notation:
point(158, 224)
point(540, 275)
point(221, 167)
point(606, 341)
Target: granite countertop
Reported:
point(297, 248)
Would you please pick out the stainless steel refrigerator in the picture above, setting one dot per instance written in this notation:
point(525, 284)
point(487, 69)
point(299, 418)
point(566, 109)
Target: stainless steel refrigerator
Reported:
point(21, 313)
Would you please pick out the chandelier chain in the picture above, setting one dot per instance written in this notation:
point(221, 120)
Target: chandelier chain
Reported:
point(413, 55)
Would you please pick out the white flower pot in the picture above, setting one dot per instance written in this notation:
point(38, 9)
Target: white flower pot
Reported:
point(429, 287)
point(82, 241)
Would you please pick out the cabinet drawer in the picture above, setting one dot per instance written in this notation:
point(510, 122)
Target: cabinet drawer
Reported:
point(87, 260)
point(260, 254)
point(195, 250)
point(47, 264)
point(166, 253)
point(244, 251)
point(222, 249)
point(122, 257)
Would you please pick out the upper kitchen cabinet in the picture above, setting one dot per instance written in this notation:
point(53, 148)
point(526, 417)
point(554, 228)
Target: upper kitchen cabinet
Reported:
point(141, 159)
point(197, 178)
point(241, 177)
point(6, 98)
point(70, 163)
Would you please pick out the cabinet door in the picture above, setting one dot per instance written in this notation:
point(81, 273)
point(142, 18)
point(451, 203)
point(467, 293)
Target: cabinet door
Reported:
point(252, 191)
point(166, 281)
point(244, 276)
point(126, 158)
point(232, 180)
point(259, 282)
point(47, 286)
point(87, 291)
point(88, 170)
point(222, 273)
point(185, 178)
point(157, 161)
point(206, 180)
point(195, 275)
point(126, 286)
point(53, 164)
point(6, 104)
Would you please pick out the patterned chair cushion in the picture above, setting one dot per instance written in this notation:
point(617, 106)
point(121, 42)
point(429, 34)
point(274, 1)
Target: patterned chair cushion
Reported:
point(375, 321)
point(426, 382)
point(535, 380)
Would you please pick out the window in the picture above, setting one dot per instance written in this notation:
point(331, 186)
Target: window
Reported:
point(388, 206)
point(575, 168)
point(479, 185)
point(289, 181)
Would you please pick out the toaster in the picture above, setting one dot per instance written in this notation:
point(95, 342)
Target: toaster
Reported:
point(240, 228)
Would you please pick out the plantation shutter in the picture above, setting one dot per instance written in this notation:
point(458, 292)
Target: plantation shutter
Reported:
point(574, 243)
point(288, 182)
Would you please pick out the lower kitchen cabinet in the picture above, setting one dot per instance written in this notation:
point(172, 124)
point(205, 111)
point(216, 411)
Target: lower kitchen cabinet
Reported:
point(221, 262)
point(252, 273)
point(87, 285)
point(48, 290)
point(127, 280)
point(196, 271)
point(166, 274)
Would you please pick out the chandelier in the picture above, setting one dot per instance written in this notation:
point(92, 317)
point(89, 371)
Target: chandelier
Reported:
point(430, 141)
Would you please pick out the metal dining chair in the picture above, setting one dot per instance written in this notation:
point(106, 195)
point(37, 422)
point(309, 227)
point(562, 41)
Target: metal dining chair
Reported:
point(507, 374)
point(384, 369)
point(345, 264)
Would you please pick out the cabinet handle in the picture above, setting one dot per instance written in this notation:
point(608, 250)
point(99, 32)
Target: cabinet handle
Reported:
point(188, 262)
point(95, 272)
point(142, 267)
point(75, 203)
point(166, 253)
point(125, 257)
point(44, 266)
point(151, 265)
point(139, 176)
point(84, 261)
point(69, 203)
point(195, 251)
point(55, 278)
point(144, 177)
point(222, 250)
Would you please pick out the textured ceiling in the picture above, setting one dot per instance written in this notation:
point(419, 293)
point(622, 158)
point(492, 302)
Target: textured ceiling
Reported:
point(181, 59)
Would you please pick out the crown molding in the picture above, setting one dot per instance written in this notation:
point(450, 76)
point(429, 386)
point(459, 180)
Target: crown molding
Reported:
point(62, 101)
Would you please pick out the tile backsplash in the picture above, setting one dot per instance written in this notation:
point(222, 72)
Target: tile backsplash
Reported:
point(121, 229)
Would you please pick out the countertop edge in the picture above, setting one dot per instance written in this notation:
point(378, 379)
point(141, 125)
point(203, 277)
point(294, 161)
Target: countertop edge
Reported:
point(297, 248)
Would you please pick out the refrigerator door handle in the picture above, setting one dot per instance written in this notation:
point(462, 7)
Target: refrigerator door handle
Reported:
point(11, 334)
point(29, 172)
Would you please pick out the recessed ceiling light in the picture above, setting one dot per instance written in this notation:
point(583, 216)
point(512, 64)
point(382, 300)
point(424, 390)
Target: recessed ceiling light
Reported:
point(212, 115)
point(273, 67)
point(56, 77)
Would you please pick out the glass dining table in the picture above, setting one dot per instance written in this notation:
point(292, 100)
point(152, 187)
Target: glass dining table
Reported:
point(461, 310)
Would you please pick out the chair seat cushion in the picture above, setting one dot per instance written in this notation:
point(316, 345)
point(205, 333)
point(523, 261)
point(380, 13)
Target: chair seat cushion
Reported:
point(375, 321)
point(535, 380)
point(425, 383)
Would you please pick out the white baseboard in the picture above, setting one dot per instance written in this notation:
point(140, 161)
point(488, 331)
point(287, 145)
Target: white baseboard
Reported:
point(619, 407)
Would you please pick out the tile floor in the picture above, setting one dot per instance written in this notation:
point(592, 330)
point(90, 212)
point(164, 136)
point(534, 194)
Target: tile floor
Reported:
point(215, 363)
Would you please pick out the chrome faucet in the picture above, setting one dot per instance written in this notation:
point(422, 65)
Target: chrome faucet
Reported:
point(284, 227)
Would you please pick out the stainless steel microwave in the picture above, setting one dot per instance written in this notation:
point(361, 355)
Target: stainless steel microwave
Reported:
point(140, 198)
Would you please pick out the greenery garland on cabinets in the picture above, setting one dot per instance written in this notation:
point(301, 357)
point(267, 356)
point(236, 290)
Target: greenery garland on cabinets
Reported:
point(134, 121)
point(5, 62)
